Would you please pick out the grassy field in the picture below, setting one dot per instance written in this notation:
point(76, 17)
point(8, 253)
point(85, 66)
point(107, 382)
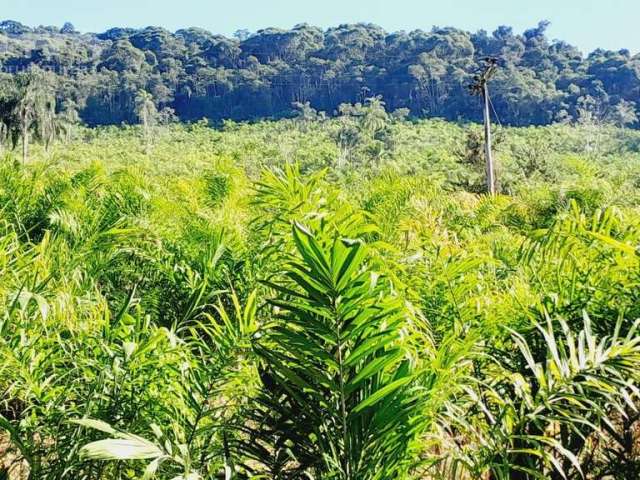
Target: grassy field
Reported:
point(321, 300)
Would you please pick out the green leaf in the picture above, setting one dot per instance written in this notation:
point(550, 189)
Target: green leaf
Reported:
point(152, 469)
point(375, 366)
point(121, 449)
point(382, 393)
point(96, 425)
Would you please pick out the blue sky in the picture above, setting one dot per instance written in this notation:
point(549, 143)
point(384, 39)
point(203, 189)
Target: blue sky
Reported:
point(588, 24)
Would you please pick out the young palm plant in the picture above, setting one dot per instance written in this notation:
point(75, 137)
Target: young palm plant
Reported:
point(338, 397)
point(192, 439)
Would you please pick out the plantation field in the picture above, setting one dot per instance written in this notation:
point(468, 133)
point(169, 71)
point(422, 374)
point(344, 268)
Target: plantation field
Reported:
point(321, 299)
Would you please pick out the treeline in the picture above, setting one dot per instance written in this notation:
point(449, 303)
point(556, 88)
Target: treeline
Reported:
point(195, 74)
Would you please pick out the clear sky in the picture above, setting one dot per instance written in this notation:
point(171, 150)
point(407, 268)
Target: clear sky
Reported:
point(588, 24)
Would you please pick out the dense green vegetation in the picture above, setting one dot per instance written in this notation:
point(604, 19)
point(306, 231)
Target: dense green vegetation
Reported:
point(193, 73)
point(321, 299)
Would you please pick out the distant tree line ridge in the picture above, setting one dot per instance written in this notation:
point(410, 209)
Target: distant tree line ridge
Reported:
point(194, 74)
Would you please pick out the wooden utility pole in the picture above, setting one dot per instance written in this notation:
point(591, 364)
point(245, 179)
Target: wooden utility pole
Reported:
point(481, 87)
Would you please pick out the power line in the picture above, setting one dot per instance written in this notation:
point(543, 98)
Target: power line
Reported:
point(495, 113)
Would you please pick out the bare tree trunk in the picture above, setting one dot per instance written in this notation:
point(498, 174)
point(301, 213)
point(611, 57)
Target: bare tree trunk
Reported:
point(25, 146)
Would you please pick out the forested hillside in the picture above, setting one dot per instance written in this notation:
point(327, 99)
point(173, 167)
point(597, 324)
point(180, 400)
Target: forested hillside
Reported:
point(193, 73)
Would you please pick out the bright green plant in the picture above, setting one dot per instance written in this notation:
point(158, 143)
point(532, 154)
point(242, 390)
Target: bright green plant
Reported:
point(337, 379)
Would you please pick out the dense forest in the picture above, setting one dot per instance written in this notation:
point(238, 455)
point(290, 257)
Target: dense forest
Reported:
point(193, 74)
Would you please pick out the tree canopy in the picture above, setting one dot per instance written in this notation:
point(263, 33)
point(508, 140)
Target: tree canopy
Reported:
point(263, 74)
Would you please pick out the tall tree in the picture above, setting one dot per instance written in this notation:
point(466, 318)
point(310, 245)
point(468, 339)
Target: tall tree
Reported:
point(623, 114)
point(67, 120)
point(28, 109)
point(147, 115)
